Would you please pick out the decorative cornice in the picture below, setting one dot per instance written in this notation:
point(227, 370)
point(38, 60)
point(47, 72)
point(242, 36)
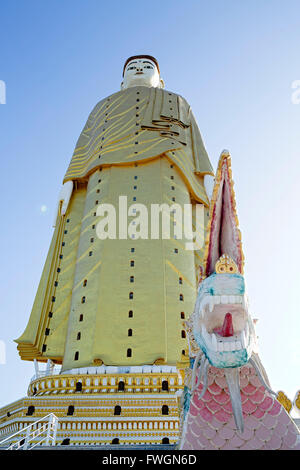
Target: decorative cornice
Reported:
point(106, 383)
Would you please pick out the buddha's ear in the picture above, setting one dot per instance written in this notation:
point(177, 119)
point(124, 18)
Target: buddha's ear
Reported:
point(161, 83)
point(122, 85)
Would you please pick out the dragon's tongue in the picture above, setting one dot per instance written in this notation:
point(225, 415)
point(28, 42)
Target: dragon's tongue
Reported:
point(227, 328)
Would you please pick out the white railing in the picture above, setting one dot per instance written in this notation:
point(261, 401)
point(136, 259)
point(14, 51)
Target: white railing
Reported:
point(46, 432)
point(45, 373)
point(50, 370)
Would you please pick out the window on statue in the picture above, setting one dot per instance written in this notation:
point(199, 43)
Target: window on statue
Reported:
point(175, 250)
point(121, 386)
point(83, 300)
point(165, 440)
point(131, 278)
point(78, 335)
point(84, 283)
point(182, 315)
point(66, 442)
point(78, 387)
point(180, 297)
point(165, 385)
point(30, 410)
point(180, 280)
point(130, 314)
point(71, 410)
point(81, 317)
point(76, 357)
point(165, 410)
point(131, 295)
point(117, 410)
point(115, 441)
point(183, 352)
point(129, 352)
point(131, 263)
point(130, 332)
point(132, 250)
point(183, 334)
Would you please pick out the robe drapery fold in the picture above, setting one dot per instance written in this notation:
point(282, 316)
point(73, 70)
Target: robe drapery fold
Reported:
point(137, 125)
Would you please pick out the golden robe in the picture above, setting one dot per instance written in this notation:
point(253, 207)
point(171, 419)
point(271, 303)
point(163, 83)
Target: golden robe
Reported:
point(122, 302)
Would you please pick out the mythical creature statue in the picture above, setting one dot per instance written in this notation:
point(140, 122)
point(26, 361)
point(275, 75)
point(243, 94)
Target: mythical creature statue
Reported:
point(227, 401)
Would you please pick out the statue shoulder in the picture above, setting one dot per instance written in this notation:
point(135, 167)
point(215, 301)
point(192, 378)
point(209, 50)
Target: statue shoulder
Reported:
point(181, 98)
point(104, 101)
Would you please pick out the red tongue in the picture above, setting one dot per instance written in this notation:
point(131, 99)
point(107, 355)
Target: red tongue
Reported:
point(227, 328)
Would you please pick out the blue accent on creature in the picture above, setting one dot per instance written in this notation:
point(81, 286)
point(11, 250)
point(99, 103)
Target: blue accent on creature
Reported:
point(223, 359)
point(214, 285)
point(186, 400)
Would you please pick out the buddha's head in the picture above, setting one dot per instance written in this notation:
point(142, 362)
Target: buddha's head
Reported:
point(141, 70)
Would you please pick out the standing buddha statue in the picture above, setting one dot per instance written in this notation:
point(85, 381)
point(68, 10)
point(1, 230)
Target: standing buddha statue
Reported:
point(122, 301)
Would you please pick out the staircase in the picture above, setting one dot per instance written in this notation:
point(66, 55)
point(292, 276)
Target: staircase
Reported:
point(41, 432)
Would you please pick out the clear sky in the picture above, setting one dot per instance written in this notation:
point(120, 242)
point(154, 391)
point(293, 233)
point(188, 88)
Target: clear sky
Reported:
point(233, 60)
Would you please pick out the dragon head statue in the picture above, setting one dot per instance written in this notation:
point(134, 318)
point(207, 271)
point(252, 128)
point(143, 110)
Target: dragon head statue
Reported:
point(222, 326)
point(221, 331)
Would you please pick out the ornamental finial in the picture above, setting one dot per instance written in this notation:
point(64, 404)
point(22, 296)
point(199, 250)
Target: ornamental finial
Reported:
point(226, 265)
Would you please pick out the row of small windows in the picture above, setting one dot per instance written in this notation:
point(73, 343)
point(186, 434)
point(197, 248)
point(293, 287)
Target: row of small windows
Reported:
point(76, 356)
point(130, 333)
point(79, 333)
point(115, 441)
point(121, 387)
point(181, 298)
point(130, 314)
point(164, 410)
point(135, 177)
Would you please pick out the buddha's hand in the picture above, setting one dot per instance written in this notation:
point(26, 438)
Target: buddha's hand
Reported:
point(209, 182)
point(64, 199)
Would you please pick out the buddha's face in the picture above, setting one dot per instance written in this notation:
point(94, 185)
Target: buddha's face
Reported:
point(141, 72)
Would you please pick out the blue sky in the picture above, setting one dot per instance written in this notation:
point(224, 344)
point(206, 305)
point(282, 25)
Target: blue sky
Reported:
point(234, 61)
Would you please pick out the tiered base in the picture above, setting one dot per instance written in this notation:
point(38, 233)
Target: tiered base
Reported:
point(101, 409)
